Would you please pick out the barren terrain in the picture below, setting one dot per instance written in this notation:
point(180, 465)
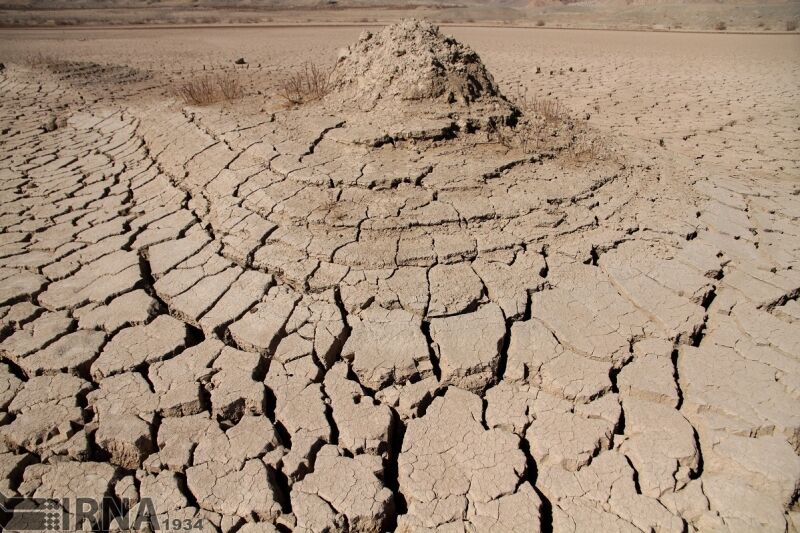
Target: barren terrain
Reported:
point(661, 15)
point(558, 293)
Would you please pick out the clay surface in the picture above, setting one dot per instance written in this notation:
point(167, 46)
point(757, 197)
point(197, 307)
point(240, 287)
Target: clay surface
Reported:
point(428, 301)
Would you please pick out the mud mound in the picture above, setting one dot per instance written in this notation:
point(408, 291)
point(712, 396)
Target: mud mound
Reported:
point(411, 62)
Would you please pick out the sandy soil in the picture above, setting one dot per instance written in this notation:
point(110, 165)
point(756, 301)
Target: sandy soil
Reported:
point(318, 319)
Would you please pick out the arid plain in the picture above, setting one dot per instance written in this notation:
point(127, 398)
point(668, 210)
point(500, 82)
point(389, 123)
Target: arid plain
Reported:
point(557, 293)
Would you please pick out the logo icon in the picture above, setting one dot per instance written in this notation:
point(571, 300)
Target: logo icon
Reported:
point(33, 514)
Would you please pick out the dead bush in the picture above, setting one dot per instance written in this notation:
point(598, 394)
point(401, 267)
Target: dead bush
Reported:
point(550, 110)
point(587, 148)
point(545, 125)
point(199, 91)
point(209, 90)
point(720, 26)
point(791, 25)
point(230, 87)
point(308, 84)
point(540, 23)
point(41, 61)
point(541, 122)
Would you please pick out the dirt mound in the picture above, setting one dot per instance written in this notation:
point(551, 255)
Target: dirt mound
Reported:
point(411, 62)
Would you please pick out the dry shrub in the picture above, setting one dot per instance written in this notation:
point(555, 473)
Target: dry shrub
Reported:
point(550, 110)
point(309, 84)
point(540, 23)
point(587, 148)
point(210, 90)
point(545, 125)
point(40, 60)
point(541, 121)
point(200, 91)
point(230, 87)
point(720, 26)
point(791, 25)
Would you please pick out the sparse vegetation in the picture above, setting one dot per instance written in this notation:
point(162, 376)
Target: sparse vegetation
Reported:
point(588, 148)
point(40, 60)
point(230, 87)
point(546, 126)
point(199, 91)
point(209, 90)
point(539, 123)
point(791, 25)
point(548, 109)
point(308, 84)
point(540, 23)
point(720, 26)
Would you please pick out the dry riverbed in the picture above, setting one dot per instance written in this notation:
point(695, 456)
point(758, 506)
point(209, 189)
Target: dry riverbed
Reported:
point(552, 287)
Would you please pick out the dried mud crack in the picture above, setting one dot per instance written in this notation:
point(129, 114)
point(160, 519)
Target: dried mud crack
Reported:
point(380, 312)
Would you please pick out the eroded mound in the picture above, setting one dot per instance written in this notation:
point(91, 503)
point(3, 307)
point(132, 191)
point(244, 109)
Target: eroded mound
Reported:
point(412, 62)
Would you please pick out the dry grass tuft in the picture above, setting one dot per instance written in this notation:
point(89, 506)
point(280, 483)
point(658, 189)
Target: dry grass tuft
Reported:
point(210, 90)
point(230, 87)
point(41, 61)
point(587, 149)
point(309, 84)
point(540, 23)
point(200, 91)
point(720, 26)
point(548, 109)
point(542, 120)
point(545, 125)
point(791, 25)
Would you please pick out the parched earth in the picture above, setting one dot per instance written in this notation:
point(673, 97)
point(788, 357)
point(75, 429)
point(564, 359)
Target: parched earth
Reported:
point(276, 320)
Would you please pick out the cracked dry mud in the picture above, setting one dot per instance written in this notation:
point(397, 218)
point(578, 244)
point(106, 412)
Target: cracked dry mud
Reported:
point(365, 314)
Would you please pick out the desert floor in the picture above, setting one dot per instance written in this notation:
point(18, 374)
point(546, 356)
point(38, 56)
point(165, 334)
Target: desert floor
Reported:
point(242, 313)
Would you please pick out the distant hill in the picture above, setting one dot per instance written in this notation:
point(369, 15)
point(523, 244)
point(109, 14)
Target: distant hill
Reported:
point(736, 15)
